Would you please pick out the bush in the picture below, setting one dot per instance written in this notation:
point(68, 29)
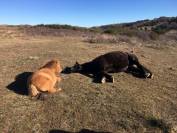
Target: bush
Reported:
point(102, 39)
point(165, 27)
point(57, 26)
point(110, 31)
point(153, 35)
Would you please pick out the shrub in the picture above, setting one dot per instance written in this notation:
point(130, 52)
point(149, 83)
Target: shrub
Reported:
point(110, 31)
point(153, 35)
point(102, 39)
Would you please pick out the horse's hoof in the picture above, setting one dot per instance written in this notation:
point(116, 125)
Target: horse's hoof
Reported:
point(152, 76)
point(110, 79)
point(59, 89)
point(149, 75)
point(103, 80)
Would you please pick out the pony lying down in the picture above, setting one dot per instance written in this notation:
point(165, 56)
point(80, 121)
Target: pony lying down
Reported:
point(43, 80)
point(112, 62)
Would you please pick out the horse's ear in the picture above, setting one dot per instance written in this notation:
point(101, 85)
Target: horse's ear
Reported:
point(132, 50)
point(77, 63)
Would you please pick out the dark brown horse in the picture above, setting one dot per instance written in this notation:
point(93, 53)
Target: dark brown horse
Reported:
point(112, 62)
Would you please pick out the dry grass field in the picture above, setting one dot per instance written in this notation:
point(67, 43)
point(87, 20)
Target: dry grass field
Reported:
point(129, 105)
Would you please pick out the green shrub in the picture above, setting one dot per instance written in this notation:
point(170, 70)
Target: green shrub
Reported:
point(110, 31)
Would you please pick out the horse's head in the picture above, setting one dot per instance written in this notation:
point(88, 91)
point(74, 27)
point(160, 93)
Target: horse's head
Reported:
point(74, 69)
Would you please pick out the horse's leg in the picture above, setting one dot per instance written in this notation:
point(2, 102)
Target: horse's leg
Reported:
point(143, 71)
point(132, 69)
point(99, 77)
point(104, 76)
point(109, 77)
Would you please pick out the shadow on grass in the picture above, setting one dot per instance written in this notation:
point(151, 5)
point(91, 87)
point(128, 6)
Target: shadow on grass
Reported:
point(81, 131)
point(19, 86)
point(158, 123)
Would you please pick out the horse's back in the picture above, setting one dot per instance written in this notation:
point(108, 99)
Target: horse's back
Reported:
point(113, 61)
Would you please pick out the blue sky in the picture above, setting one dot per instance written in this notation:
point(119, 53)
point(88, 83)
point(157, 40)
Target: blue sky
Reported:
point(83, 12)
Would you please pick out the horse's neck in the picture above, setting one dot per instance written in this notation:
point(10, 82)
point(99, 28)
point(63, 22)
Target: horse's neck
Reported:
point(87, 67)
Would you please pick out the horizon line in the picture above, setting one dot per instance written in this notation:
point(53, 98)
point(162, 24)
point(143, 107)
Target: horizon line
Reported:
point(73, 25)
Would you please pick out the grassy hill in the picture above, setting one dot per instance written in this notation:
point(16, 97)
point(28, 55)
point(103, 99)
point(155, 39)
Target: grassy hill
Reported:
point(163, 28)
point(158, 25)
point(144, 29)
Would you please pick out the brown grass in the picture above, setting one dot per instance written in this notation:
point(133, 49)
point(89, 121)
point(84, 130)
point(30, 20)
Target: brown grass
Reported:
point(130, 105)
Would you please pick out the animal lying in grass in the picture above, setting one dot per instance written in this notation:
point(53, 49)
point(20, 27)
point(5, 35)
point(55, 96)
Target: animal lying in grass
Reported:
point(43, 80)
point(112, 62)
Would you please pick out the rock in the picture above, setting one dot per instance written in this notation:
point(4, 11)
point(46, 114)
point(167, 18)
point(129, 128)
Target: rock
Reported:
point(33, 57)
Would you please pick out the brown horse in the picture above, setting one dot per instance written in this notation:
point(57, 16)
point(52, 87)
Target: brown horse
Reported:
point(112, 62)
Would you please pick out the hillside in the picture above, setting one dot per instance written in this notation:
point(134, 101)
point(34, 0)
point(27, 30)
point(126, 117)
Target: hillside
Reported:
point(163, 29)
point(158, 25)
